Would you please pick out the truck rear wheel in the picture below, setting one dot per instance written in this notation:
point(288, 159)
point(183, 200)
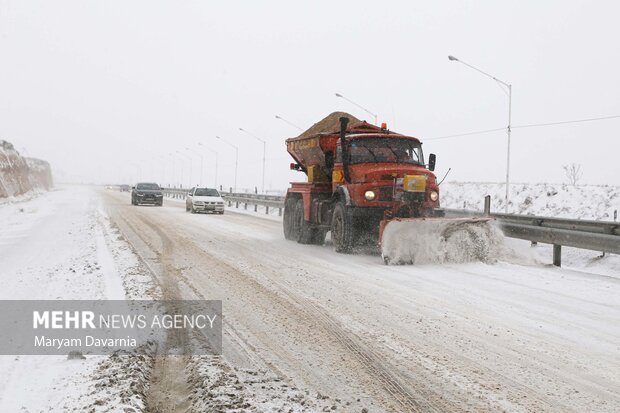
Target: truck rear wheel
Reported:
point(342, 229)
point(287, 220)
point(303, 231)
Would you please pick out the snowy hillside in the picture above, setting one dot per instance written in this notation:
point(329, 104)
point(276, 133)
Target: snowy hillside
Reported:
point(19, 175)
point(553, 200)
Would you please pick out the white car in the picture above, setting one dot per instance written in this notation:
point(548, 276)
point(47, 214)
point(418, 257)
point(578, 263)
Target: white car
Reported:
point(204, 200)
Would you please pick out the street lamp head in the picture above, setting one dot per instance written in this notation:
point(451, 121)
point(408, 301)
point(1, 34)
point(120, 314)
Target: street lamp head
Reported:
point(453, 58)
point(241, 129)
point(277, 117)
point(338, 95)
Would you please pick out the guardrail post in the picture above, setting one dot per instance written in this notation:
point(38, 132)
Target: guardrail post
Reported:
point(487, 205)
point(266, 209)
point(279, 212)
point(237, 204)
point(557, 255)
point(245, 206)
point(255, 207)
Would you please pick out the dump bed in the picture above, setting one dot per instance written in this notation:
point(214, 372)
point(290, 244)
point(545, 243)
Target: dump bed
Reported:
point(309, 148)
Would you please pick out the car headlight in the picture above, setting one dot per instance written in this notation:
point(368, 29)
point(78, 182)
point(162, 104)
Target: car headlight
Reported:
point(198, 203)
point(158, 195)
point(433, 195)
point(369, 195)
point(140, 194)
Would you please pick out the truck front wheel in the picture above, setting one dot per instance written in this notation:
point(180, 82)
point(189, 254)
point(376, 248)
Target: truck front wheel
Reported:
point(342, 229)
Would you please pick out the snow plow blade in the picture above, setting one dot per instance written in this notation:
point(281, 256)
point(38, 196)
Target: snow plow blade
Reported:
point(438, 240)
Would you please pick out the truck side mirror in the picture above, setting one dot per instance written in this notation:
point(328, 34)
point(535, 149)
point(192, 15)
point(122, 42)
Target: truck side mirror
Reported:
point(431, 162)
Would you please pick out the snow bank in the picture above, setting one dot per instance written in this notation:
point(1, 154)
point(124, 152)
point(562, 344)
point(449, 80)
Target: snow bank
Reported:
point(596, 202)
point(61, 245)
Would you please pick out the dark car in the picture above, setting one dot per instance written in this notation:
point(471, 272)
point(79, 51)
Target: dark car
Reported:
point(125, 188)
point(147, 193)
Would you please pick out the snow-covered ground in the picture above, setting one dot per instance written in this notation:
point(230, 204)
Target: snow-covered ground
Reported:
point(596, 202)
point(58, 246)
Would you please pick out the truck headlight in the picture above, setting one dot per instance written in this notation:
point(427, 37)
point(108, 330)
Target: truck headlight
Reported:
point(369, 195)
point(433, 195)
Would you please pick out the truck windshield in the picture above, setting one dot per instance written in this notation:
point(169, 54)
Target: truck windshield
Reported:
point(386, 150)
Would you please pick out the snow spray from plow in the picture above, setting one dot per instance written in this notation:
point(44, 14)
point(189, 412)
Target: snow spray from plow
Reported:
point(439, 240)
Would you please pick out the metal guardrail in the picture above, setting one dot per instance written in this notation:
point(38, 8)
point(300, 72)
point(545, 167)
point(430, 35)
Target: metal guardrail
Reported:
point(244, 199)
point(602, 236)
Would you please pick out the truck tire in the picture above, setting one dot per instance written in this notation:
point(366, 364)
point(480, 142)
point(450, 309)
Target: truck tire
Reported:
point(318, 236)
point(303, 230)
point(343, 232)
point(287, 219)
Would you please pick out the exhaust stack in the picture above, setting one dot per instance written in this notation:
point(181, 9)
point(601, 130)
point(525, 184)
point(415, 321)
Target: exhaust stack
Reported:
point(344, 145)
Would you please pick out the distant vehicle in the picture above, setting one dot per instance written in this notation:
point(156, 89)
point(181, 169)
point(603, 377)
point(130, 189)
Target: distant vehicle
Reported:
point(147, 193)
point(125, 188)
point(204, 200)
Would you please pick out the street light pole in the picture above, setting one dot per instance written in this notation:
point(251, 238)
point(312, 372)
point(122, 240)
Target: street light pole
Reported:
point(361, 107)
point(508, 129)
point(191, 168)
point(264, 151)
point(138, 169)
point(201, 164)
point(216, 162)
point(174, 169)
point(163, 168)
point(290, 123)
point(236, 158)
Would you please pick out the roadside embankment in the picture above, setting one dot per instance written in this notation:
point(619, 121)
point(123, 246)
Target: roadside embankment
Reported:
point(19, 175)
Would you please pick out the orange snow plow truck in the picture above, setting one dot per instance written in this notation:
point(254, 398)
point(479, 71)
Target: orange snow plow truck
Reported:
point(369, 185)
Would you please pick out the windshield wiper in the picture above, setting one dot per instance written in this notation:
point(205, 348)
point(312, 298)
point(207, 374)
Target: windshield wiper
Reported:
point(374, 157)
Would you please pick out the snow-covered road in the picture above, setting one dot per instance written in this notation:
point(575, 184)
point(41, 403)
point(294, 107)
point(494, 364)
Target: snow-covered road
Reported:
point(515, 335)
point(307, 329)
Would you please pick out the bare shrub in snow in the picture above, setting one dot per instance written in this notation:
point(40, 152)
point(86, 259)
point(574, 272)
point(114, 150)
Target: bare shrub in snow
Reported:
point(573, 173)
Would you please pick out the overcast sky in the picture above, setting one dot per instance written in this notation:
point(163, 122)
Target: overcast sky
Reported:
point(105, 90)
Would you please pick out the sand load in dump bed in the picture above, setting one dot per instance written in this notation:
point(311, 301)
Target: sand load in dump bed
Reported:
point(310, 148)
